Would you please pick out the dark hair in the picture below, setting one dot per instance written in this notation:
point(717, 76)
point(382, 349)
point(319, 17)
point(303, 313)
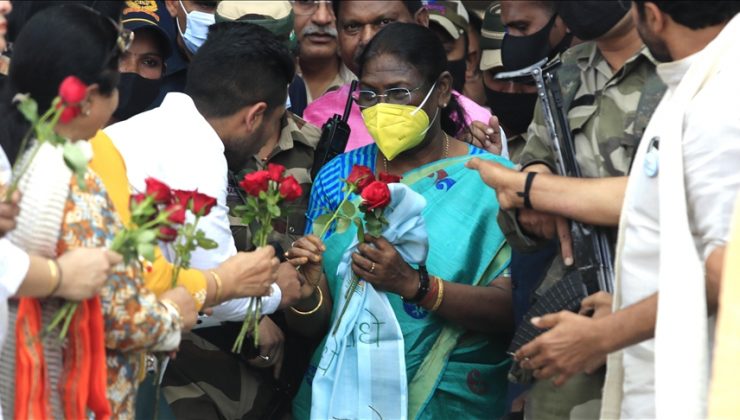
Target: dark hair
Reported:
point(69, 40)
point(412, 6)
point(423, 51)
point(695, 14)
point(240, 64)
point(475, 21)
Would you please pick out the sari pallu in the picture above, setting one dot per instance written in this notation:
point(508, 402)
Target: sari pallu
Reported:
point(449, 370)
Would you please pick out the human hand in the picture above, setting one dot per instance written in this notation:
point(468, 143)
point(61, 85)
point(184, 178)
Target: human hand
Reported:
point(487, 137)
point(83, 272)
point(249, 274)
point(572, 345)
point(289, 283)
point(548, 226)
point(272, 345)
point(597, 305)
point(306, 252)
point(185, 303)
point(382, 266)
point(8, 212)
point(507, 183)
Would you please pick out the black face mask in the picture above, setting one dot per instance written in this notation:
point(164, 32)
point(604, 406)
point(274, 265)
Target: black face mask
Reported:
point(457, 69)
point(136, 94)
point(589, 20)
point(514, 110)
point(518, 52)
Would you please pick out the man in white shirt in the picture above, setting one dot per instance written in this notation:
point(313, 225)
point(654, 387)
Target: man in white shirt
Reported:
point(658, 220)
point(235, 96)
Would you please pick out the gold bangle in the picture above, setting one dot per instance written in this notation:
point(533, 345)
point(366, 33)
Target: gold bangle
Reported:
point(440, 295)
point(56, 278)
point(321, 300)
point(169, 302)
point(219, 285)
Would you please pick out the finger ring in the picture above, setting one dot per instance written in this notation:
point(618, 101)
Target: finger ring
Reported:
point(292, 244)
point(372, 268)
point(265, 358)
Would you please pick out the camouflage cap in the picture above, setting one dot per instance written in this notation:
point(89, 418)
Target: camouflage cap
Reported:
point(450, 15)
point(276, 16)
point(492, 34)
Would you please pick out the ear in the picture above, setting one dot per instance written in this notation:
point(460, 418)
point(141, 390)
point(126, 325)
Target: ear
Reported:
point(172, 7)
point(654, 18)
point(444, 87)
point(422, 17)
point(254, 115)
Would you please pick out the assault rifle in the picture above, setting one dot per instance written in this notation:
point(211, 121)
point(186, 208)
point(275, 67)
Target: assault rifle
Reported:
point(593, 269)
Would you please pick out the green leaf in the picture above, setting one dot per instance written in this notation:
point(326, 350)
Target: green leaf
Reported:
point(343, 224)
point(360, 230)
point(320, 223)
point(206, 243)
point(273, 210)
point(44, 131)
point(76, 160)
point(348, 209)
point(29, 108)
point(146, 237)
point(146, 250)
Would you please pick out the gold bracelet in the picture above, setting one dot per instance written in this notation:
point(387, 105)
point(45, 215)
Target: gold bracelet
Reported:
point(169, 302)
point(54, 271)
point(440, 295)
point(219, 284)
point(321, 300)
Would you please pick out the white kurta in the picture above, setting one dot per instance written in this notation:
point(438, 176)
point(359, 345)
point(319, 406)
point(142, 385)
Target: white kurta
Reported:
point(176, 145)
point(710, 139)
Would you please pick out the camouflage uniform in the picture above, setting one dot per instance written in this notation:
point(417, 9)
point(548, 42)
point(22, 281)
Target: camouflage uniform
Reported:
point(516, 146)
point(607, 113)
point(206, 382)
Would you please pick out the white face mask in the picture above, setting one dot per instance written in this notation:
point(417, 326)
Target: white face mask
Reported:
point(196, 30)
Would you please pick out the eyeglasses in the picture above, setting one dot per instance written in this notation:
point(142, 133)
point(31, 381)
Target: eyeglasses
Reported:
point(307, 7)
point(398, 96)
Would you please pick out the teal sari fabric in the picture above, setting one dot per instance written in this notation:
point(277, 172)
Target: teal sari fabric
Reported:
point(462, 372)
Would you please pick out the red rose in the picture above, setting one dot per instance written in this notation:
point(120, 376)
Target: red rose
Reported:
point(290, 189)
point(158, 190)
point(276, 171)
point(389, 178)
point(167, 234)
point(255, 183)
point(360, 176)
point(182, 197)
point(376, 195)
point(202, 203)
point(72, 90)
point(136, 199)
point(68, 113)
point(175, 213)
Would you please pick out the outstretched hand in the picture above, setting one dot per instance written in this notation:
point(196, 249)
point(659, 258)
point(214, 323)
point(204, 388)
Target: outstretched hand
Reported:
point(379, 263)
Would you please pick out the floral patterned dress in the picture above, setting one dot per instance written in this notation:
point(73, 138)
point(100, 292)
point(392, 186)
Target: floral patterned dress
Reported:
point(135, 322)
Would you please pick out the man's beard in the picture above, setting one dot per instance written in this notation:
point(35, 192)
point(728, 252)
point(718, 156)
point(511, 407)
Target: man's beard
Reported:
point(239, 151)
point(657, 46)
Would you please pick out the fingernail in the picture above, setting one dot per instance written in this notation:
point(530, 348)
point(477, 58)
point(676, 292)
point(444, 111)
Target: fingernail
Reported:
point(569, 261)
point(489, 130)
point(535, 320)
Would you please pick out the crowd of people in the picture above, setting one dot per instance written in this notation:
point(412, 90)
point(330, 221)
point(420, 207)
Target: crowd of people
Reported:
point(474, 300)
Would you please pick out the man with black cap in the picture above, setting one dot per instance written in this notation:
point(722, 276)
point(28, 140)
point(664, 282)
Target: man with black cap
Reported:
point(609, 89)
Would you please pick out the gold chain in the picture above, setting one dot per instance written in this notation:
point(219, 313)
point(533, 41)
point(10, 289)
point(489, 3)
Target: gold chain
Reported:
point(445, 155)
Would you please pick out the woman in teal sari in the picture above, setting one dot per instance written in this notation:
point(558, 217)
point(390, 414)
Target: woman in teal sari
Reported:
point(454, 345)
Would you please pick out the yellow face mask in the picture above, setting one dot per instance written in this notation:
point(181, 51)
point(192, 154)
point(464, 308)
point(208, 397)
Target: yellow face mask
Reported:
point(397, 128)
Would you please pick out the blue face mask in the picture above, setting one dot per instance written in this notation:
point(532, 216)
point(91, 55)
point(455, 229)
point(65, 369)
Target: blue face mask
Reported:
point(196, 30)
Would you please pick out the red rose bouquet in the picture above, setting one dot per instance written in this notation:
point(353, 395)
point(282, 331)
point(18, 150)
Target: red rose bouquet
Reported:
point(266, 190)
point(64, 108)
point(376, 196)
point(152, 217)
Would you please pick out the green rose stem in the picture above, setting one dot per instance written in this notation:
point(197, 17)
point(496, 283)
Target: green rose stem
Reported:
point(54, 112)
point(354, 282)
point(254, 310)
point(188, 238)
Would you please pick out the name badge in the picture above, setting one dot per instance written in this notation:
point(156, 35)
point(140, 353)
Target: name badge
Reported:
point(651, 163)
